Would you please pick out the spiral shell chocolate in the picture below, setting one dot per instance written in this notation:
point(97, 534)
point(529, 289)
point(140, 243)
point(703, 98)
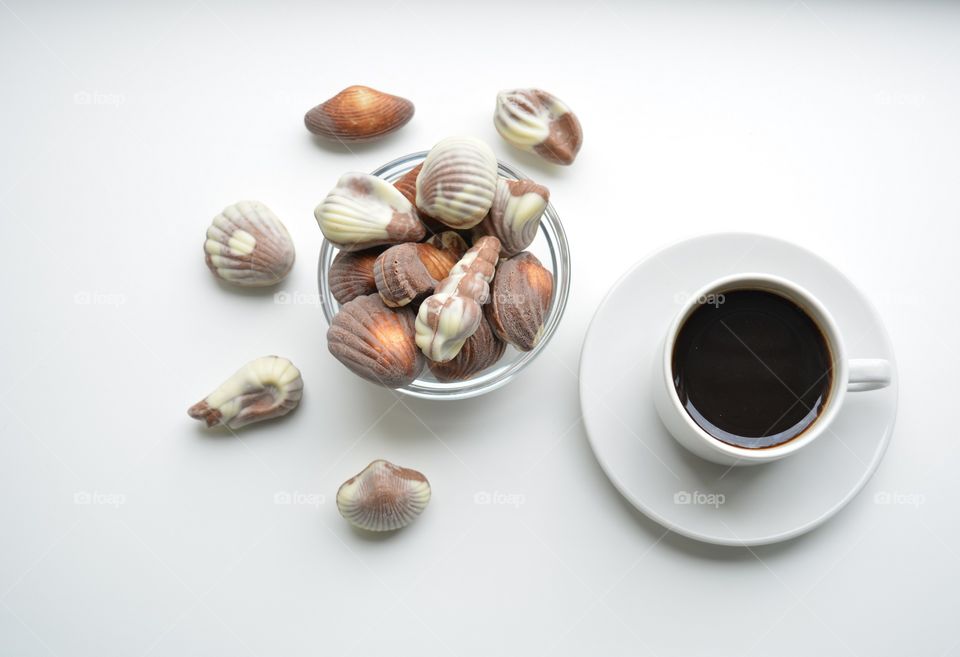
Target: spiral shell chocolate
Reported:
point(375, 342)
point(383, 497)
point(515, 215)
point(364, 211)
point(457, 182)
point(248, 246)
point(453, 312)
point(263, 389)
point(538, 122)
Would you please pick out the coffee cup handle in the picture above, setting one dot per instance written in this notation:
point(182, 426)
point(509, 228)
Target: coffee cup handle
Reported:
point(868, 374)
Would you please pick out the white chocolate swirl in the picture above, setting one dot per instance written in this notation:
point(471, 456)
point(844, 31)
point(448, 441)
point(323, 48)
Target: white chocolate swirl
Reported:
point(453, 312)
point(538, 122)
point(364, 211)
point(264, 388)
point(457, 182)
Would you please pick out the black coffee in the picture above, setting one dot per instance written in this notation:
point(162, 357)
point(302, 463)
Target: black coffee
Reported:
point(752, 368)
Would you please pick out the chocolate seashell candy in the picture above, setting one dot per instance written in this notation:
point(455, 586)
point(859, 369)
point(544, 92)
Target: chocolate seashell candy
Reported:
point(408, 272)
point(538, 122)
point(457, 182)
point(263, 389)
point(351, 274)
point(364, 211)
point(376, 342)
point(248, 246)
point(383, 497)
point(359, 114)
point(453, 312)
point(515, 214)
point(519, 300)
point(480, 351)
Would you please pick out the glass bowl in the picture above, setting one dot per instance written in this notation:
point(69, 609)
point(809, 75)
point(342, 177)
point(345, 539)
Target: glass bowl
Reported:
point(550, 247)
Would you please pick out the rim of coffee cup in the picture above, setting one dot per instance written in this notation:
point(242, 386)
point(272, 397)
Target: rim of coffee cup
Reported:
point(812, 307)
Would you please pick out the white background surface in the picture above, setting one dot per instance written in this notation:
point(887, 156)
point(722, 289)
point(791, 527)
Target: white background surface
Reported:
point(128, 126)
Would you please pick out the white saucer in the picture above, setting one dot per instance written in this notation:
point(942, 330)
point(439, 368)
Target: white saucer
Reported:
point(744, 505)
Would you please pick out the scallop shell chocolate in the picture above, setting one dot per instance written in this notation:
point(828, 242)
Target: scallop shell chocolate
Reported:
point(457, 182)
point(515, 215)
point(480, 351)
point(376, 342)
point(364, 211)
point(248, 246)
point(351, 275)
point(383, 497)
point(263, 389)
point(538, 122)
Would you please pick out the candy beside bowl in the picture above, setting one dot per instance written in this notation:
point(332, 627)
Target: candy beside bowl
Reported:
point(453, 380)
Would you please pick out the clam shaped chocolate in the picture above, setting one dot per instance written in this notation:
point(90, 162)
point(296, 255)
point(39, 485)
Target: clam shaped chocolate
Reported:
point(359, 114)
point(480, 351)
point(538, 122)
point(457, 182)
point(351, 274)
point(515, 214)
point(364, 211)
point(383, 497)
point(263, 389)
point(453, 312)
point(375, 342)
point(247, 245)
point(519, 301)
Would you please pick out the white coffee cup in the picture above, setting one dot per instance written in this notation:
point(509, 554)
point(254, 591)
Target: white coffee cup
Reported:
point(852, 375)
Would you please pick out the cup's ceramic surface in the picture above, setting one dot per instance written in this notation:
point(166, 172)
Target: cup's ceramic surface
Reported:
point(848, 375)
